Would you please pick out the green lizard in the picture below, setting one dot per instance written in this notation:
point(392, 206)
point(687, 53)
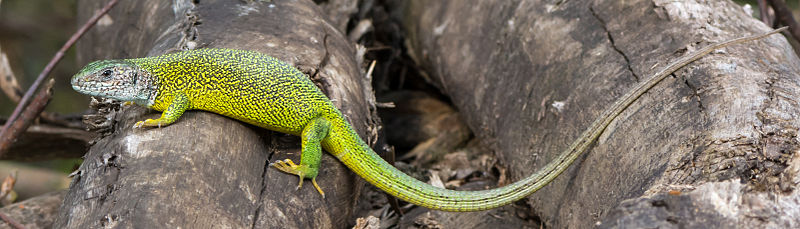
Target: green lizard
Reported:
point(263, 91)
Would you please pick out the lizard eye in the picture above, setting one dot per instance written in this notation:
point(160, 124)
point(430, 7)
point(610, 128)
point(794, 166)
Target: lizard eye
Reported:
point(107, 73)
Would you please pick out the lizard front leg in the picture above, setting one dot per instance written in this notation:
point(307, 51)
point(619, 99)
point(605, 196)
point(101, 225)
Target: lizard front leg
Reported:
point(312, 135)
point(179, 104)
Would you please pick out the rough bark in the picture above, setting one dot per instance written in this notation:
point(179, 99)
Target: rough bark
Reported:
point(206, 170)
point(529, 76)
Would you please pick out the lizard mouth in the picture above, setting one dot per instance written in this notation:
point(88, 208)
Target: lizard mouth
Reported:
point(91, 88)
point(116, 91)
point(102, 89)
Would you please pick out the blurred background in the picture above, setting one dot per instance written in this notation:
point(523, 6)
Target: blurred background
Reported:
point(31, 32)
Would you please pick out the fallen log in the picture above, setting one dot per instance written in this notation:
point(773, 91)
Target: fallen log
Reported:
point(530, 76)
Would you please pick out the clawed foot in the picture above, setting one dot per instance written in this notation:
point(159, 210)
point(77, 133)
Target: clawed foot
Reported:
point(148, 123)
point(288, 166)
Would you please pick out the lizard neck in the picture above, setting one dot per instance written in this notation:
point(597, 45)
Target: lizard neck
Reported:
point(148, 89)
point(167, 72)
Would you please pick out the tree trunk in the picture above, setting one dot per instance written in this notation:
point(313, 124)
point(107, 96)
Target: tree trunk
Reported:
point(206, 170)
point(714, 144)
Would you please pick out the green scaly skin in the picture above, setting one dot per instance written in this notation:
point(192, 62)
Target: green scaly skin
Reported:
point(268, 93)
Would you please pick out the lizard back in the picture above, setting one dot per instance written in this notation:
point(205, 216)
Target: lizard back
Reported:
point(245, 85)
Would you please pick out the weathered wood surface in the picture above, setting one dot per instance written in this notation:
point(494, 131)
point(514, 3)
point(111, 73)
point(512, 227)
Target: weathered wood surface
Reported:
point(208, 171)
point(530, 76)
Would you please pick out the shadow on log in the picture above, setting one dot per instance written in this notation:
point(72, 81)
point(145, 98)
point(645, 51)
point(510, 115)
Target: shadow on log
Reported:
point(207, 170)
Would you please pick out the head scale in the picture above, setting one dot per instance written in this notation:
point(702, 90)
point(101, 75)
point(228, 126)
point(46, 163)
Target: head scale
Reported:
point(116, 79)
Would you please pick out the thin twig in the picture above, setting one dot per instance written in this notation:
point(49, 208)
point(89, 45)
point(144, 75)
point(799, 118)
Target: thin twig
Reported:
point(9, 86)
point(27, 116)
point(4, 134)
point(8, 82)
point(785, 17)
point(763, 12)
point(11, 222)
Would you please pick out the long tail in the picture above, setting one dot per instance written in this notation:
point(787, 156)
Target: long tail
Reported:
point(359, 157)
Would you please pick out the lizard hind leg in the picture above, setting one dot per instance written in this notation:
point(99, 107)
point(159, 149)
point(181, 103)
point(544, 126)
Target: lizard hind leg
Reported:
point(312, 135)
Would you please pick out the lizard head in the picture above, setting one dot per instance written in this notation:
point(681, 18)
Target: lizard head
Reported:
point(116, 79)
